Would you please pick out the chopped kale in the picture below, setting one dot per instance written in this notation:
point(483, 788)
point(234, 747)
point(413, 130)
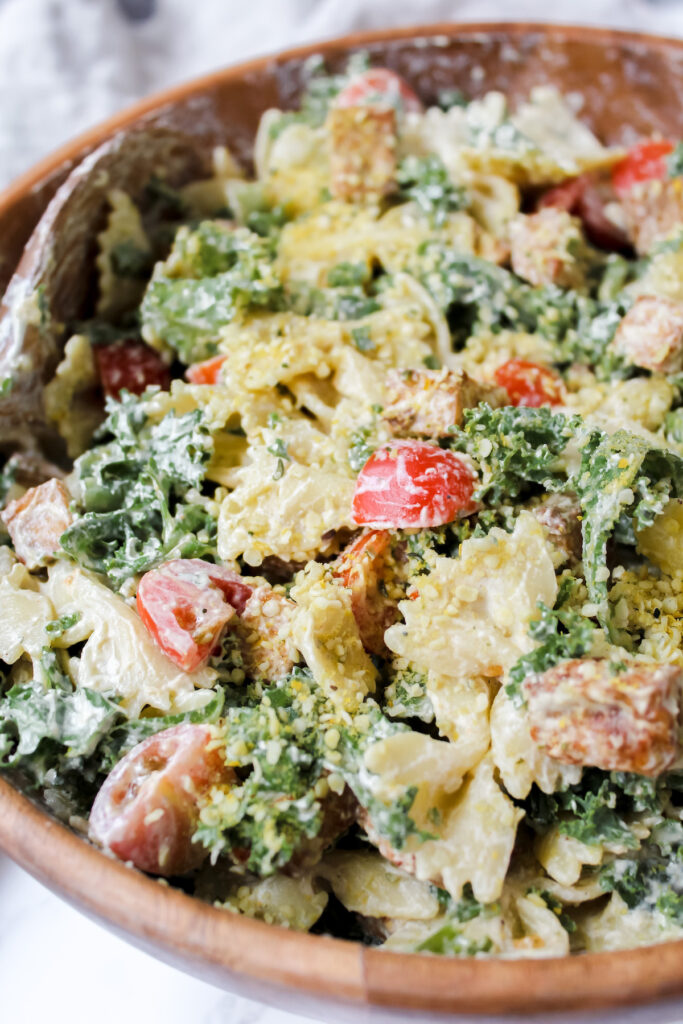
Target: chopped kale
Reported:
point(451, 941)
point(406, 696)
point(477, 295)
point(138, 500)
point(362, 339)
point(211, 274)
point(516, 447)
point(448, 98)
point(651, 879)
point(283, 754)
point(557, 907)
point(320, 88)
point(348, 275)
point(620, 474)
point(425, 181)
point(8, 476)
point(64, 622)
point(594, 811)
point(673, 426)
point(355, 306)
point(363, 442)
point(279, 450)
point(39, 727)
point(431, 362)
point(267, 222)
point(129, 260)
point(161, 200)
point(674, 161)
point(560, 632)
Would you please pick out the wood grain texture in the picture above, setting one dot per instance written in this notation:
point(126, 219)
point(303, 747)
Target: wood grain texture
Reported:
point(631, 86)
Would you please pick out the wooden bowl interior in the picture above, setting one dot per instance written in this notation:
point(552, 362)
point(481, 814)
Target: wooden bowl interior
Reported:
point(629, 86)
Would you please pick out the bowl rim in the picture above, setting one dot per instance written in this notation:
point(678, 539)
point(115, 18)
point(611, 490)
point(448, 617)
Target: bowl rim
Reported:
point(217, 945)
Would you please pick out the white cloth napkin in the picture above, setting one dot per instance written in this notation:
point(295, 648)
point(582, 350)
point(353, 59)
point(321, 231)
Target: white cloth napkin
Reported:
point(66, 64)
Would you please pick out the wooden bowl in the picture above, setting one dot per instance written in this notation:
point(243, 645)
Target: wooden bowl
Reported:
point(631, 86)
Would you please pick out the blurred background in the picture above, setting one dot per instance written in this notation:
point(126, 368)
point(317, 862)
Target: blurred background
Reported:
point(66, 64)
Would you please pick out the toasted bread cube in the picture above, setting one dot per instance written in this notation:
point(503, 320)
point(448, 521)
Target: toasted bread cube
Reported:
point(583, 712)
point(652, 210)
point(37, 520)
point(651, 335)
point(362, 152)
point(560, 514)
point(427, 403)
point(263, 628)
point(548, 248)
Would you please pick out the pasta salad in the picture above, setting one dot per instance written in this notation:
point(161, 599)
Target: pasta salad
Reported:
point(360, 608)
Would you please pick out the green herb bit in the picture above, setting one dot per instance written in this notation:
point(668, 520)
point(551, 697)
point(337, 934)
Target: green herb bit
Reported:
point(621, 475)
point(557, 907)
point(348, 275)
point(129, 260)
point(64, 622)
point(516, 447)
point(140, 502)
point(674, 161)
point(452, 941)
point(362, 340)
point(425, 181)
point(561, 634)
point(431, 362)
point(594, 811)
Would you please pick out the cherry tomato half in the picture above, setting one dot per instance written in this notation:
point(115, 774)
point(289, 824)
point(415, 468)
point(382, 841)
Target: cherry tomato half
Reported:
point(379, 87)
point(643, 162)
point(529, 384)
point(412, 483)
point(186, 603)
point(584, 198)
point(131, 365)
point(148, 807)
point(207, 372)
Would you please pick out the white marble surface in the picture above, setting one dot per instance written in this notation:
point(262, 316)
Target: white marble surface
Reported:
point(65, 64)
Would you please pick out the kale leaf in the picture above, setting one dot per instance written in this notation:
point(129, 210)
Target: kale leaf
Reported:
point(651, 879)
point(425, 180)
point(620, 475)
point(477, 295)
point(139, 503)
point(561, 633)
point(282, 754)
point(516, 447)
point(406, 696)
point(212, 273)
point(37, 726)
point(450, 940)
point(594, 811)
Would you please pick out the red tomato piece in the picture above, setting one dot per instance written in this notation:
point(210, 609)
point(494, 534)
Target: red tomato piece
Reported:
point(412, 483)
point(148, 807)
point(131, 365)
point(529, 384)
point(186, 603)
point(582, 197)
point(207, 372)
point(643, 162)
point(379, 87)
